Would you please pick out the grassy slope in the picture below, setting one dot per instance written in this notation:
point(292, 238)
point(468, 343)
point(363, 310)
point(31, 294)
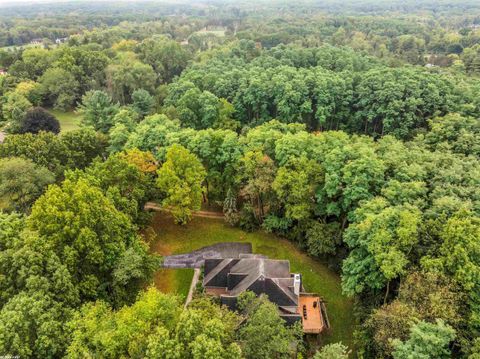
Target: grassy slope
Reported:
point(201, 232)
point(174, 280)
point(68, 120)
point(26, 46)
point(219, 33)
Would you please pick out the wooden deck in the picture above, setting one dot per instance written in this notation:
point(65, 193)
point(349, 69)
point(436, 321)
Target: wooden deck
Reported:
point(309, 307)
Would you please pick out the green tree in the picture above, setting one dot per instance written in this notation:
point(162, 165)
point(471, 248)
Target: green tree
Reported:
point(459, 249)
point(86, 63)
point(423, 296)
point(402, 100)
point(153, 134)
point(21, 183)
point(296, 184)
point(73, 149)
point(333, 351)
point(86, 231)
point(82, 146)
point(37, 119)
point(455, 132)
point(198, 109)
point(391, 321)
point(35, 61)
point(264, 334)
point(354, 173)
point(14, 110)
point(33, 326)
point(475, 350)
point(118, 137)
point(230, 209)
point(132, 271)
point(94, 326)
point(322, 238)
point(60, 88)
point(381, 239)
point(167, 57)
point(31, 90)
point(426, 341)
point(44, 149)
point(142, 102)
point(126, 74)
point(155, 327)
point(257, 173)
point(98, 110)
point(28, 264)
point(121, 181)
point(220, 152)
point(180, 181)
point(37, 293)
point(206, 329)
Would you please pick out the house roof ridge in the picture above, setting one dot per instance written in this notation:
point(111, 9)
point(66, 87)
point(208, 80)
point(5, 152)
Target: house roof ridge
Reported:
point(217, 269)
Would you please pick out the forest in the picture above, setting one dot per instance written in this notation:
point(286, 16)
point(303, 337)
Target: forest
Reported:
point(349, 128)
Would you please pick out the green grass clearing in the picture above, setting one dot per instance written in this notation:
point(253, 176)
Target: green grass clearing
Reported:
point(174, 280)
point(19, 47)
point(317, 277)
point(219, 33)
point(69, 120)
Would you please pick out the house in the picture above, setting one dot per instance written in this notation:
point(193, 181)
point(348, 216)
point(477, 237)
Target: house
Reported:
point(61, 40)
point(3, 72)
point(228, 278)
point(36, 42)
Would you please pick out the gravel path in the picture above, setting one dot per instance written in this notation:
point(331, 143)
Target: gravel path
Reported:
point(193, 285)
point(204, 214)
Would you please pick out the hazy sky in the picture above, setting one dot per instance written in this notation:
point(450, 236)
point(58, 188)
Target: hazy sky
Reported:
point(13, 2)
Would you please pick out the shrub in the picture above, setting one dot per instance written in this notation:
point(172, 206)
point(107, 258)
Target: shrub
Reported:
point(37, 119)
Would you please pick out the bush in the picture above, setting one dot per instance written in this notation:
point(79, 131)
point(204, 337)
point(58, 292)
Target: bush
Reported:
point(37, 119)
point(247, 219)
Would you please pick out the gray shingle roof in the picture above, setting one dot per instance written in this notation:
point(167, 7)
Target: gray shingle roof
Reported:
point(252, 272)
point(258, 268)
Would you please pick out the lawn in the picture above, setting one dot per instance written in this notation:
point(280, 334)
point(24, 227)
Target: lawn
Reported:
point(26, 46)
point(69, 120)
point(174, 280)
point(219, 33)
point(174, 239)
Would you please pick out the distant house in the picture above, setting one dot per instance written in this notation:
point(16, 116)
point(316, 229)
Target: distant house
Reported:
point(3, 72)
point(228, 278)
point(60, 40)
point(36, 42)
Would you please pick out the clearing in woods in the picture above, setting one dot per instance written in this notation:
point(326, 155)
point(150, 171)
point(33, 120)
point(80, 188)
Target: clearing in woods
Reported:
point(200, 232)
point(69, 120)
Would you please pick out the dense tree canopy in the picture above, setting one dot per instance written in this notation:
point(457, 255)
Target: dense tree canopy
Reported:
point(90, 238)
point(350, 128)
point(21, 183)
point(180, 181)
